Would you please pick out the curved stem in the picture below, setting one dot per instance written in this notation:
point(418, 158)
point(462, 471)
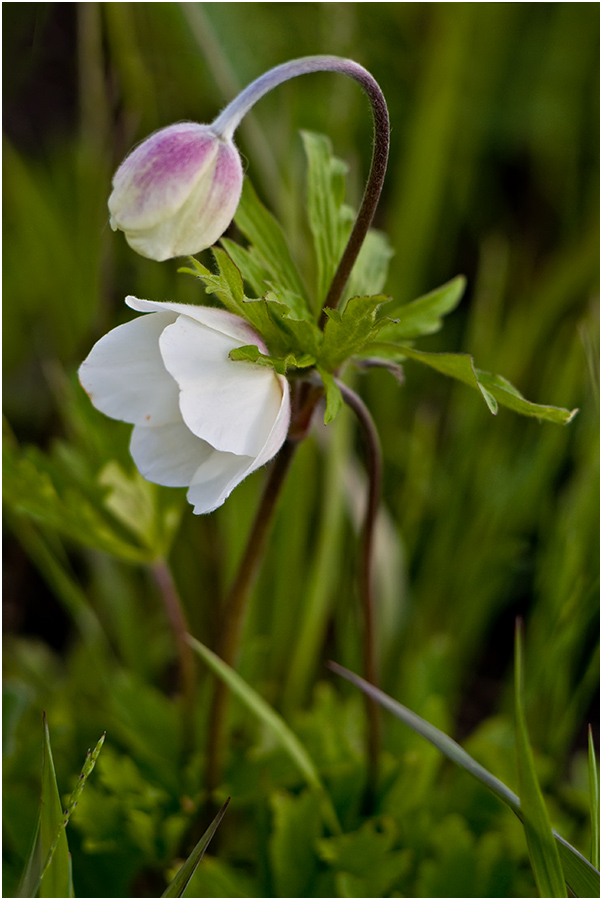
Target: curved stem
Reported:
point(374, 469)
point(228, 121)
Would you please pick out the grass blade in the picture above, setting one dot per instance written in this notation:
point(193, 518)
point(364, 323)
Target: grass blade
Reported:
point(594, 799)
point(543, 852)
point(179, 884)
point(55, 876)
point(582, 878)
point(264, 712)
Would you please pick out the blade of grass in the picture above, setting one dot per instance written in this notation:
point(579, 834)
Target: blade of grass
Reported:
point(179, 884)
point(582, 878)
point(543, 852)
point(50, 876)
point(594, 799)
point(286, 738)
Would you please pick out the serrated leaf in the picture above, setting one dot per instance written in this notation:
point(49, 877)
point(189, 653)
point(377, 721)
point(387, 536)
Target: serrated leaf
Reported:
point(278, 727)
point(329, 221)
point(493, 388)
point(582, 878)
point(349, 331)
point(334, 398)
point(269, 316)
point(179, 884)
point(252, 353)
point(424, 315)
point(259, 278)
point(226, 284)
point(543, 851)
point(269, 249)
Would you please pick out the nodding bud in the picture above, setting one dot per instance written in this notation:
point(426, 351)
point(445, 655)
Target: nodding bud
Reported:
point(177, 192)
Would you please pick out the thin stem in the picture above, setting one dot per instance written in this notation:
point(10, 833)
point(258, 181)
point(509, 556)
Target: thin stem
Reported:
point(374, 469)
point(228, 121)
point(236, 606)
point(177, 619)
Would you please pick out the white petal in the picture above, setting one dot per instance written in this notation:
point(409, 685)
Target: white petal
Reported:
point(218, 319)
point(232, 405)
point(168, 454)
point(215, 480)
point(279, 431)
point(125, 377)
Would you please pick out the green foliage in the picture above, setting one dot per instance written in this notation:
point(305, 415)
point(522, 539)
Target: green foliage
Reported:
point(493, 172)
point(544, 844)
point(543, 852)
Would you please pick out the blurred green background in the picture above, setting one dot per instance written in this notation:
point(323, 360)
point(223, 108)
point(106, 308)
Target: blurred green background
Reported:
point(494, 174)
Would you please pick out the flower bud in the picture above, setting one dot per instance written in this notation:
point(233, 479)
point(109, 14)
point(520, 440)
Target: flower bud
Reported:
point(177, 192)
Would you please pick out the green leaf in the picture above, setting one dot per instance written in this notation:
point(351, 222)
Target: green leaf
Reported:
point(54, 850)
point(179, 884)
point(424, 315)
point(582, 878)
point(36, 487)
point(252, 353)
point(329, 220)
point(334, 398)
point(280, 730)
point(226, 284)
point(365, 860)
point(269, 316)
point(543, 851)
point(371, 268)
point(493, 388)
point(269, 250)
point(594, 799)
point(349, 331)
point(49, 867)
point(297, 826)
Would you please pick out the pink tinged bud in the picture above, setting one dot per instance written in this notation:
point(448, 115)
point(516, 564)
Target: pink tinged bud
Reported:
point(177, 192)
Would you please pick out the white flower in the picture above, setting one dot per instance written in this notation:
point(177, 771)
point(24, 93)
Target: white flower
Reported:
point(200, 420)
point(177, 192)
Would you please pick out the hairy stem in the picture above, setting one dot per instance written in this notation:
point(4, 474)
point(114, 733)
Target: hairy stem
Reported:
point(374, 469)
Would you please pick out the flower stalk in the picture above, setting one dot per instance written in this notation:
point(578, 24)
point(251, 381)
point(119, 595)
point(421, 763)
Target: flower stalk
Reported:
point(304, 402)
point(228, 121)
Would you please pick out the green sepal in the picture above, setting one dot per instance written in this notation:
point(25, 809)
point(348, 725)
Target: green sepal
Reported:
point(347, 332)
point(425, 315)
point(493, 388)
point(334, 398)
point(252, 353)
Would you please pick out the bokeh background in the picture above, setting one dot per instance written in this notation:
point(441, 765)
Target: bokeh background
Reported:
point(493, 173)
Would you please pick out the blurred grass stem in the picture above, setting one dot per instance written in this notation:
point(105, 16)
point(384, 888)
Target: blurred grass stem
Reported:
point(177, 619)
point(374, 470)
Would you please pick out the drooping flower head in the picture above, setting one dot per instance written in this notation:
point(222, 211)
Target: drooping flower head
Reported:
point(200, 420)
